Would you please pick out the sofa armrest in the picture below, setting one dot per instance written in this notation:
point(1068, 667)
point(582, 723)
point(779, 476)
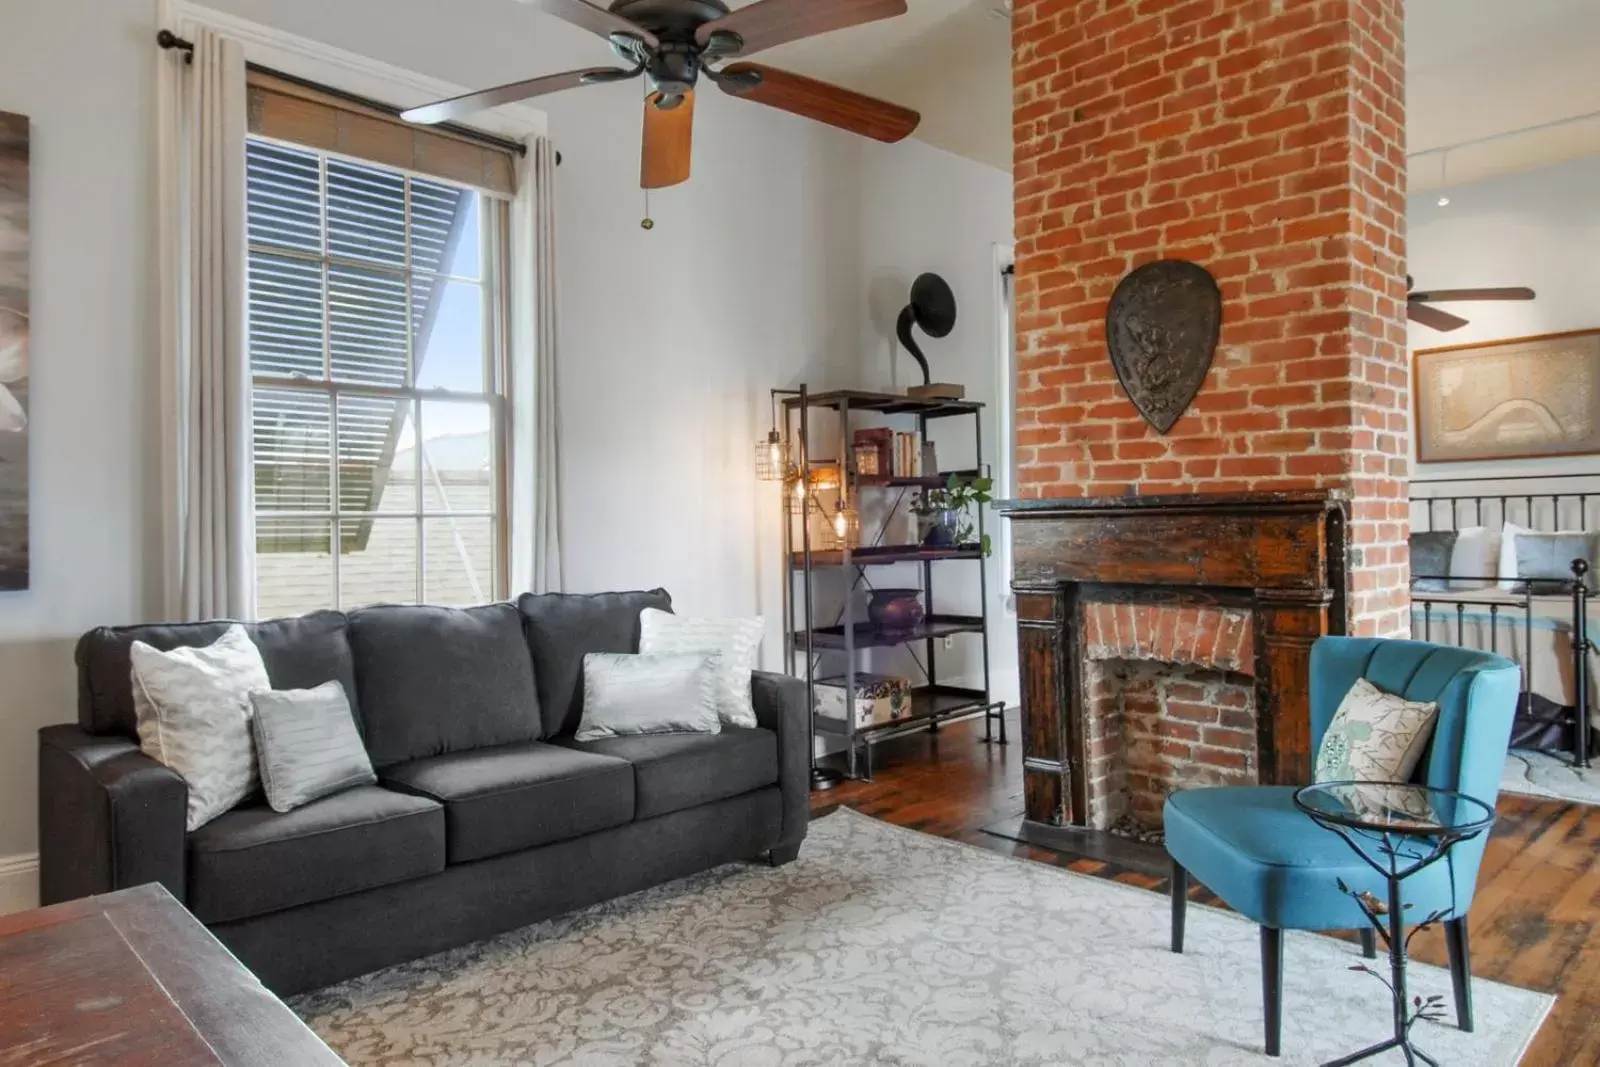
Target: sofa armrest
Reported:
point(780, 703)
point(110, 817)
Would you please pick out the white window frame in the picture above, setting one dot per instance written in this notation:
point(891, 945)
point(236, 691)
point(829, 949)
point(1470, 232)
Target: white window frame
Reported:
point(493, 233)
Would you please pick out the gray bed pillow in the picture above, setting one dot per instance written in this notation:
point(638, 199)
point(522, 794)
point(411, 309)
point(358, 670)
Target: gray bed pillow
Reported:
point(1544, 560)
point(306, 745)
point(1430, 560)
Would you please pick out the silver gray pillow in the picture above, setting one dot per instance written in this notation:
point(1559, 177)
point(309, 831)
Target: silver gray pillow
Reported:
point(307, 745)
point(1545, 559)
point(649, 694)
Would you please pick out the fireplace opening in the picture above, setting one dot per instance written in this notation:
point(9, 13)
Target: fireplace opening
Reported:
point(1157, 727)
point(1169, 703)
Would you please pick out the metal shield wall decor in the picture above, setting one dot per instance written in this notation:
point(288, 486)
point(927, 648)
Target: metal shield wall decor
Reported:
point(1162, 329)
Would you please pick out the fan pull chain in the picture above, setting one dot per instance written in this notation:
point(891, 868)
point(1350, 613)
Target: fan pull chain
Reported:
point(647, 223)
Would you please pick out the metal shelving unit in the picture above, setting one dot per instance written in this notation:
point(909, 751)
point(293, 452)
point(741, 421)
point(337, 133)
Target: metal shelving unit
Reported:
point(810, 639)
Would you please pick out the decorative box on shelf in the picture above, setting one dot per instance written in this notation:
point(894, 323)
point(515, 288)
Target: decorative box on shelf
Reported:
point(880, 698)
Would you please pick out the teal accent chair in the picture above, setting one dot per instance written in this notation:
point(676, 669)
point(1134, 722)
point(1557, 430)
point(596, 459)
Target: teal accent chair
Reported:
point(1270, 863)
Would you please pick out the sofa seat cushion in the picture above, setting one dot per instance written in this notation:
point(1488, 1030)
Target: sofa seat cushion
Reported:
point(514, 797)
point(676, 771)
point(253, 860)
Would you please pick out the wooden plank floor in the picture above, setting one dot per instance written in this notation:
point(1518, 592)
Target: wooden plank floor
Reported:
point(1535, 921)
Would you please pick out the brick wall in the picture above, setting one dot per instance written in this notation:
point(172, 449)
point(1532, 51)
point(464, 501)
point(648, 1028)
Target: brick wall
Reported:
point(1264, 140)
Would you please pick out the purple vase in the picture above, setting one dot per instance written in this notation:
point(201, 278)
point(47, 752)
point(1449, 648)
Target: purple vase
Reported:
point(895, 610)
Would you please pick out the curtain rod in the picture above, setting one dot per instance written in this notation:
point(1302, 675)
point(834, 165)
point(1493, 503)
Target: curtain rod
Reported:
point(169, 40)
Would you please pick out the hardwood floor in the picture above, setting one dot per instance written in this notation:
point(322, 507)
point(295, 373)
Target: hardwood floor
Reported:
point(1535, 921)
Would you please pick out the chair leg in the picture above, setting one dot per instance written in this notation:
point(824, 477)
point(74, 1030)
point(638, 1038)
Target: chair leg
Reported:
point(1369, 942)
point(1272, 987)
point(1180, 903)
point(1455, 936)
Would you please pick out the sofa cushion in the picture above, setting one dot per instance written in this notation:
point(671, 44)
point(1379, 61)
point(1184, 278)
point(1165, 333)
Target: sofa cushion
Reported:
point(300, 653)
point(563, 627)
point(505, 799)
point(437, 680)
point(676, 771)
point(253, 860)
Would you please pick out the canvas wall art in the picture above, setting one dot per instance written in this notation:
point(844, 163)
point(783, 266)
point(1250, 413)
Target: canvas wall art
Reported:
point(13, 352)
point(1518, 399)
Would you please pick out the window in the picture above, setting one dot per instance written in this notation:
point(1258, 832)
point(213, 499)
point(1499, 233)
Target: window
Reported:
point(376, 353)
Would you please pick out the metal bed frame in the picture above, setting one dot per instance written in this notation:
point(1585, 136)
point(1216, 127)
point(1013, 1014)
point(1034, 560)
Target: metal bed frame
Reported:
point(1485, 508)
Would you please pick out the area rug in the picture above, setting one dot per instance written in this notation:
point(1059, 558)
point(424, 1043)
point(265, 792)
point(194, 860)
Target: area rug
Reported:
point(881, 945)
point(1541, 774)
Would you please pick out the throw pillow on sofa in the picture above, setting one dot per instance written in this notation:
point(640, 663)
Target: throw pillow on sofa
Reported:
point(648, 694)
point(193, 712)
point(1375, 736)
point(307, 745)
point(737, 641)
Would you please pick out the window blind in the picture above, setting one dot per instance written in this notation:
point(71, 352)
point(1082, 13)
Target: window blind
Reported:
point(288, 111)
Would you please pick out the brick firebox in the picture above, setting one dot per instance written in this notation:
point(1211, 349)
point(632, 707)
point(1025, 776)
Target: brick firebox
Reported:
point(1169, 702)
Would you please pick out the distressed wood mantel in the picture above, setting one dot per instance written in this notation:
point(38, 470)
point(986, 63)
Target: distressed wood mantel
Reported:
point(1283, 556)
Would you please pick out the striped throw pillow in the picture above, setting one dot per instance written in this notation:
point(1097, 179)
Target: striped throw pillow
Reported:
point(737, 641)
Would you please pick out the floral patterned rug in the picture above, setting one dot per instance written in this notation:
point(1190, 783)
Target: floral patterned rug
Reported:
point(882, 945)
point(1541, 774)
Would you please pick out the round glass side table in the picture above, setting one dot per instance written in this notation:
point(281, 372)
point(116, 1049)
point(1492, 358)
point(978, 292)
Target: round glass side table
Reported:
point(1397, 830)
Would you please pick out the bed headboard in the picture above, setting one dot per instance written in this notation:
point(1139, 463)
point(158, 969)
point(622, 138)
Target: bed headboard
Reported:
point(1543, 502)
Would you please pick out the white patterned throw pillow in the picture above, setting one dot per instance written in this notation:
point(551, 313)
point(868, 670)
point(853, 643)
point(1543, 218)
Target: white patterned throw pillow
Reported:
point(193, 711)
point(737, 641)
point(1375, 736)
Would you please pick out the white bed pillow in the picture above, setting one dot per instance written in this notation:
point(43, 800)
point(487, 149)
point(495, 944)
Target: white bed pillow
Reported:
point(1475, 558)
point(1508, 554)
point(737, 641)
point(193, 711)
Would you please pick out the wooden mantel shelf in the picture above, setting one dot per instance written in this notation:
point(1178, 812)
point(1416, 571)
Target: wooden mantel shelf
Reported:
point(1178, 503)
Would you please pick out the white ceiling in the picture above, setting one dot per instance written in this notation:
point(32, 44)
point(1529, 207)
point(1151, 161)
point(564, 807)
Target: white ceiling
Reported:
point(1475, 69)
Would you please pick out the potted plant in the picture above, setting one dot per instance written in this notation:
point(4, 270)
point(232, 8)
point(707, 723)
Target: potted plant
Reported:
point(948, 514)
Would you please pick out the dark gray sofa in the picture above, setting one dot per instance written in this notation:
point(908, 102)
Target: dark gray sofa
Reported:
point(487, 815)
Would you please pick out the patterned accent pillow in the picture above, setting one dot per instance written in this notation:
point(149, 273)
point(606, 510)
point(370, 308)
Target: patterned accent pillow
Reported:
point(1375, 736)
point(307, 745)
point(193, 711)
point(624, 695)
point(737, 641)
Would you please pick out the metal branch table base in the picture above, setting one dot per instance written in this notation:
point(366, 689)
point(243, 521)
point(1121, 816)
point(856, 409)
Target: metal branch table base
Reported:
point(1408, 827)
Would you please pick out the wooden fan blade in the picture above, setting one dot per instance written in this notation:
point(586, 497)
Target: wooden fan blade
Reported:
point(668, 142)
point(456, 107)
point(1442, 321)
point(836, 106)
point(596, 20)
point(767, 23)
point(1507, 293)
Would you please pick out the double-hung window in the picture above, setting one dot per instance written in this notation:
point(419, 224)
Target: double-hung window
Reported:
point(377, 356)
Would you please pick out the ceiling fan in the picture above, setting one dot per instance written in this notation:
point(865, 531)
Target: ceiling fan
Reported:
point(674, 43)
point(1419, 309)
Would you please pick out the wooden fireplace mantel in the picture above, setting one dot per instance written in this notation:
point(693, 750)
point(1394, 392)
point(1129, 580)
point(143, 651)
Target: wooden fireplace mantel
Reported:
point(1282, 556)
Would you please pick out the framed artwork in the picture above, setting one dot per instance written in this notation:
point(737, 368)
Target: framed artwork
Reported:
point(1516, 399)
point(13, 352)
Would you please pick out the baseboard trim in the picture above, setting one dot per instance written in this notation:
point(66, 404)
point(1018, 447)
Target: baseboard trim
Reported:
point(19, 883)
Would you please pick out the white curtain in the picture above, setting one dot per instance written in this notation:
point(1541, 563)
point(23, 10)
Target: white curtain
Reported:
point(535, 457)
point(208, 528)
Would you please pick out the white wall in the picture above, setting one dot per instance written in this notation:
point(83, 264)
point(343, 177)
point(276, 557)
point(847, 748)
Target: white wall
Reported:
point(1540, 229)
point(923, 209)
point(757, 274)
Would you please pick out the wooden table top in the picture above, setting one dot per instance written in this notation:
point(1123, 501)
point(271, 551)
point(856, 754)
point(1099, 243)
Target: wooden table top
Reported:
point(131, 978)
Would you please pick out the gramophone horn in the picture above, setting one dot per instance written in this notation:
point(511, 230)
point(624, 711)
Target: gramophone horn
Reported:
point(932, 307)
